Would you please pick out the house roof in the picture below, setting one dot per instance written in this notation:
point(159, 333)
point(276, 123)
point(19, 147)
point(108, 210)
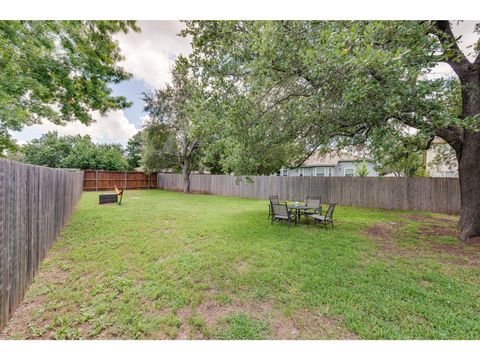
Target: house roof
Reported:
point(331, 159)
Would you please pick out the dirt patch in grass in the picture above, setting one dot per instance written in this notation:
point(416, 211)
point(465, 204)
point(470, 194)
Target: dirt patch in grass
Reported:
point(385, 234)
point(436, 219)
point(18, 326)
point(417, 217)
point(184, 314)
point(435, 230)
point(314, 326)
point(462, 253)
point(437, 236)
point(302, 324)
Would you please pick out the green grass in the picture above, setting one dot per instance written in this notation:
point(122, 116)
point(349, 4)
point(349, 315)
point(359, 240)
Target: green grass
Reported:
point(166, 265)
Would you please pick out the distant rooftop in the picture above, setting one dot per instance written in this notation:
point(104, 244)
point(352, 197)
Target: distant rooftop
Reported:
point(331, 159)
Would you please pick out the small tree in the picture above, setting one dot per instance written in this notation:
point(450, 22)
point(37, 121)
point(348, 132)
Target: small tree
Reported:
point(361, 169)
point(173, 137)
point(134, 150)
point(408, 163)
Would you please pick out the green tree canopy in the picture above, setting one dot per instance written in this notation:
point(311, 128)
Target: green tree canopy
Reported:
point(57, 70)
point(74, 152)
point(134, 150)
point(292, 87)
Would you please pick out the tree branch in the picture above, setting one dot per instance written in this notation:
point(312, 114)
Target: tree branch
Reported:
point(457, 60)
point(306, 157)
point(453, 135)
point(476, 63)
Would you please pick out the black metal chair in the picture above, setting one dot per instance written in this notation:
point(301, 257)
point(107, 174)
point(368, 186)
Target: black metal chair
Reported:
point(280, 212)
point(314, 204)
point(271, 198)
point(328, 218)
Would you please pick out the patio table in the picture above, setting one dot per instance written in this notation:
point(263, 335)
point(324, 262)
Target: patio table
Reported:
point(297, 209)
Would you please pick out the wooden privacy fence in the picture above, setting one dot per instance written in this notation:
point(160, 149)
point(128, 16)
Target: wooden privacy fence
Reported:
point(440, 195)
point(95, 180)
point(35, 203)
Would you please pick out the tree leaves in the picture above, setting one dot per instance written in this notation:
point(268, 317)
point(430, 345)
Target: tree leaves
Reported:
point(73, 152)
point(58, 70)
point(287, 87)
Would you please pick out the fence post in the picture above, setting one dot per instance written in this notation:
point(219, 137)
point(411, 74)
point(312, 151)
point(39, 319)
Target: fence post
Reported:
point(125, 182)
point(96, 180)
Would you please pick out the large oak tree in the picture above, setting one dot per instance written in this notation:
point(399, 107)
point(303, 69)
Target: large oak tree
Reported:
point(289, 88)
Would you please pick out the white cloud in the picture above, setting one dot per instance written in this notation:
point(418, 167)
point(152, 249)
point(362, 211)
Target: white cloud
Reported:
point(143, 120)
point(114, 127)
point(150, 55)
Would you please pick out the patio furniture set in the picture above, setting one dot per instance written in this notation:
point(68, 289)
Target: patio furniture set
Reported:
point(292, 213)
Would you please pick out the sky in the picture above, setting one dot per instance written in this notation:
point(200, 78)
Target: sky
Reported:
point(149, 56)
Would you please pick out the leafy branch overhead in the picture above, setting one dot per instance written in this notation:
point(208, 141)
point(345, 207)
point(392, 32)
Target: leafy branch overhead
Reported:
point(323, 84)
point(58, 71)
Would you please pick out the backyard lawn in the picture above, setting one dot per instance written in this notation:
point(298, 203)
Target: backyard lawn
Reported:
point(166, 265)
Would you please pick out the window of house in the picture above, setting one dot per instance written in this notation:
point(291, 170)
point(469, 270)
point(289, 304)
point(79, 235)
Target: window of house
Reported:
point(324, 171)
point(285, 172)
point(349, 171)
point(307, 172)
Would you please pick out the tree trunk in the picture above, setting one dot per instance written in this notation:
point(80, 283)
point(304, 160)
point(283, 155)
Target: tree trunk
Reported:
point(469, 162)
point(186, 176)
point(469, 176)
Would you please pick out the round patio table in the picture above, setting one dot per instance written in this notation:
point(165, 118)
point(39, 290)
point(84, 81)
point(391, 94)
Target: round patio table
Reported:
point(298, 208)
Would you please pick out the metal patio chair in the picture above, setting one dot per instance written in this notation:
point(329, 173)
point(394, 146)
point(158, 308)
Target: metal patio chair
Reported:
point(314, 204)
point(280, 212)
point(271, 198)
point(328, 218)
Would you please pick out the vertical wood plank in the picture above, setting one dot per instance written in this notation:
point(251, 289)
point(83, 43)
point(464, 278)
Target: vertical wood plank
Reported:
point(35, 203)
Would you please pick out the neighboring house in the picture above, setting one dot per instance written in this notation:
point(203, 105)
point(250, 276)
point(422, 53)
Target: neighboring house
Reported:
point(447, 166)
point(342, 164)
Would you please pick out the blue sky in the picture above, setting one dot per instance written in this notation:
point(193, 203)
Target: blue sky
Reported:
point(132, 90)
